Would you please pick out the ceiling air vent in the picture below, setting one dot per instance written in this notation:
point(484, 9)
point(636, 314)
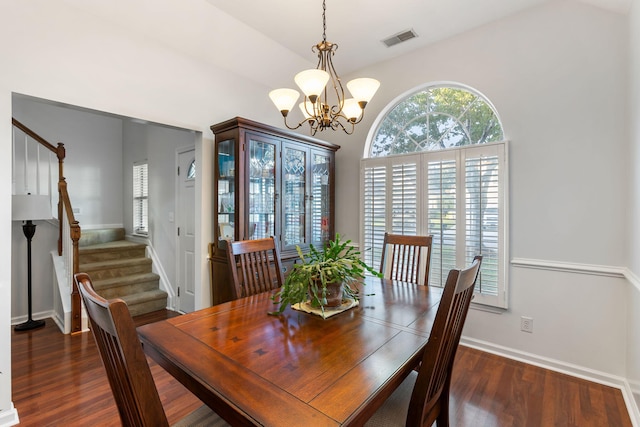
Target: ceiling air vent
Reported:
point(399, 38)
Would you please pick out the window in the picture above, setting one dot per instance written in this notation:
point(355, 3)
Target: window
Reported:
point(140, 198)
point(191, 173)
point(434, 168)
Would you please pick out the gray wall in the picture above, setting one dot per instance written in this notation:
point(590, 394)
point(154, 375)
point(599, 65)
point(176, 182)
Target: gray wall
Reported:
point(157, 145)
point(93, 168)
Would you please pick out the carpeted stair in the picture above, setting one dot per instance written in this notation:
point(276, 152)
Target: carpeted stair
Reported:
point(120, 269)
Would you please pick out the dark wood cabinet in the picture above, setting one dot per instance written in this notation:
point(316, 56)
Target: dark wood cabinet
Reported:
point(269, 182)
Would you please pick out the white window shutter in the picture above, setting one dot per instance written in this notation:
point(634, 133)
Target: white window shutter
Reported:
point(374, 213)
point(459, 196)
point(141, 198)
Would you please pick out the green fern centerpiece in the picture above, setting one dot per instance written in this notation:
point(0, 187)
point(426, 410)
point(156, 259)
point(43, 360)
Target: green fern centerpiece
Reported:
point(311, 278)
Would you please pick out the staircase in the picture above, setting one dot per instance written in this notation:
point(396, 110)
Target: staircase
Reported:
point(120, 269)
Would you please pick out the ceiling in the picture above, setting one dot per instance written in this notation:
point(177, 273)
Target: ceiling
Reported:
point(242, 35)
point(359, 26)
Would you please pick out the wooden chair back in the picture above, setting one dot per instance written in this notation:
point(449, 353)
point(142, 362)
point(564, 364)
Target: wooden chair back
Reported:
point(259, 263)
point(406, 257)
point(430, 397)
point(129, 375)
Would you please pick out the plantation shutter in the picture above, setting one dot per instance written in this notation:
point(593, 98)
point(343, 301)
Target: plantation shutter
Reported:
point(485, 229)
point(140, 199)
point(373, 183)
point(404, 198)
point(456, 195)
point(442, 194)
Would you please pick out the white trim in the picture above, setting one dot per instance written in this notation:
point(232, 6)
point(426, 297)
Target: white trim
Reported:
point(555, 365)
point(632, 278)
point(9, 417)
point(35, 316)
point(165, 283)
point(571, 267)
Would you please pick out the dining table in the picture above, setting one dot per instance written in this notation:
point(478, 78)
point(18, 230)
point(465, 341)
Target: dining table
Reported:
point(297, 368)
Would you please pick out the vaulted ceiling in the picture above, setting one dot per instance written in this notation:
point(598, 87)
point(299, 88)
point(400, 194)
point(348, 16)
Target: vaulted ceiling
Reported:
point(283, 31)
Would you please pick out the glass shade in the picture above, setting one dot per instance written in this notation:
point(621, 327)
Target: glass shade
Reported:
point(363, 89)
point(284, 98)
point(351, 109)
point(312, 82)
point(307, 109)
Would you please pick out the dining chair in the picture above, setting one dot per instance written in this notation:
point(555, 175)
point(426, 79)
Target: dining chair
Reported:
point(128, 371)
point(423, 397)
point(259, 262)
point(405, 258)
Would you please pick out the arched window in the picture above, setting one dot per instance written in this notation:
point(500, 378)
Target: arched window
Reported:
point(436, 118)
point(436, 163)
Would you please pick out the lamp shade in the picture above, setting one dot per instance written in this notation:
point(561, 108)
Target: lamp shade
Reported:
point(312, 82)
point(363, 89)
point(284, 99)
point(28, 206)
point(351, 109)
point(307, 108)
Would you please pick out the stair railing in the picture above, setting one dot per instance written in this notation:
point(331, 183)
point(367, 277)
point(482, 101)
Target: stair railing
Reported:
point(69, 229)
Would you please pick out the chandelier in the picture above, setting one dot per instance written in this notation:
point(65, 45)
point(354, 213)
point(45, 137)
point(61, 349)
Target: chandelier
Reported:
point(322, 87)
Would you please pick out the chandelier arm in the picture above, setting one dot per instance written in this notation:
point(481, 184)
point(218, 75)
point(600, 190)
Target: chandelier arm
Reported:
point(338, 124)
point(292, 127)
point(337, 87)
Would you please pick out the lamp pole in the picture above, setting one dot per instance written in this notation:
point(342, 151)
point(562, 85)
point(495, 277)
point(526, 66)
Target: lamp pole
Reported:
point(29, 229)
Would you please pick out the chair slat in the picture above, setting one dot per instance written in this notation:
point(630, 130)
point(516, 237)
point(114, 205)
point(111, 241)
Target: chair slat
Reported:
point(259, 263)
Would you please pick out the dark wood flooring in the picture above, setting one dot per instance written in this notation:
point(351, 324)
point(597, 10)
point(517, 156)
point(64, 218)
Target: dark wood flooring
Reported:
point(58, 380)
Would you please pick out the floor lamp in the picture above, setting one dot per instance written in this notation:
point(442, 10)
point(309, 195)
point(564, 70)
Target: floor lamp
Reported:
point(28, 208)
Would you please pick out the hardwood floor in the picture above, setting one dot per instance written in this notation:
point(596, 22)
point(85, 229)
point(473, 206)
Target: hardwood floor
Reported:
point(58, 380)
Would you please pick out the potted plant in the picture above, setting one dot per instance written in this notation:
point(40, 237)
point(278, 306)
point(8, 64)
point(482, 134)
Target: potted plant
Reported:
point(323, 277)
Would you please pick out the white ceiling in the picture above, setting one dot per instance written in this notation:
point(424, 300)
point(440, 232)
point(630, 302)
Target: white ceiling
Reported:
point(359, 26)
point(243, 35)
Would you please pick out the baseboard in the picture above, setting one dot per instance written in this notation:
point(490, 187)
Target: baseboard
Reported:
point(9, 417)
point(36, 316)
point(64, 327)
point(588, 374)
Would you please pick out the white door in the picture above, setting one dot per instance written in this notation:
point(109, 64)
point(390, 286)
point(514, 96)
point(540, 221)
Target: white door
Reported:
point(185, 223)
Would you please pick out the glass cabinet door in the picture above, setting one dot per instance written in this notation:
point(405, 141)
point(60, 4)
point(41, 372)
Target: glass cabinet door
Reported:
point(294, 169)
point(320, 198)
point(226, 153)
point(262, 189)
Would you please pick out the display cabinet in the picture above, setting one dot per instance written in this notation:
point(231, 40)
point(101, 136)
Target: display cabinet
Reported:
point(269, 182)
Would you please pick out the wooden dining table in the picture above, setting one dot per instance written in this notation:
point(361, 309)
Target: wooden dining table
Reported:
point(297, 369)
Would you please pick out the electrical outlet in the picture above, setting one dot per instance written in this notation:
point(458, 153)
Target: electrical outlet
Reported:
point(526, 324)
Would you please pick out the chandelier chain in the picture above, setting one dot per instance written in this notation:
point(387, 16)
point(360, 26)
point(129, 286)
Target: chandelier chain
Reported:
point(324, 21)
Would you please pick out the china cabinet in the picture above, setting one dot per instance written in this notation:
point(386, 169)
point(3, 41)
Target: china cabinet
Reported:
point(269, 182)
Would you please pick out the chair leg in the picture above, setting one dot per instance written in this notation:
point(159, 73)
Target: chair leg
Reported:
point(443, 414)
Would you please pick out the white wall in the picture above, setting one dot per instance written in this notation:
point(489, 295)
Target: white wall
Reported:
point(557, 76)
point(53, 51)
point(633, 320)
